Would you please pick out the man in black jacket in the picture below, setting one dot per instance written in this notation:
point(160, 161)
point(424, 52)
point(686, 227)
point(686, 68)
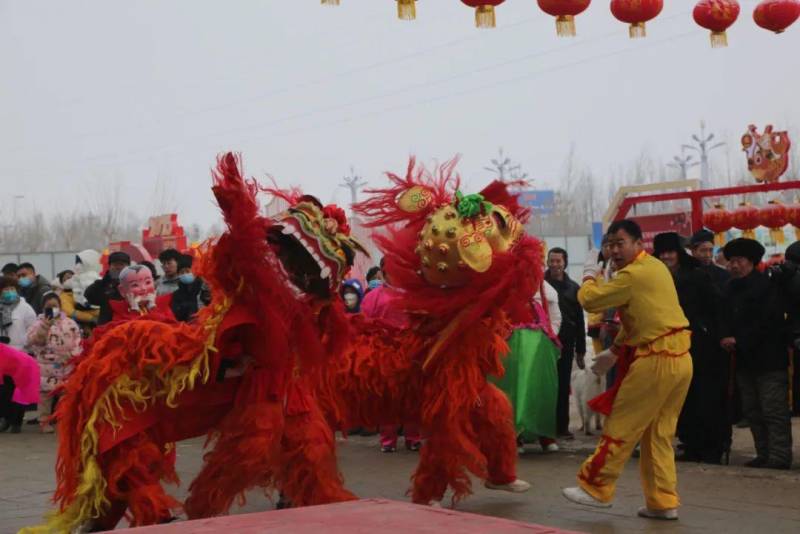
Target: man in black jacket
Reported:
point(702, 246)
point(32, 286)
point(192, 292)
point(572, 333)
point(107, 288)
point(704, 425)
point(754, 331)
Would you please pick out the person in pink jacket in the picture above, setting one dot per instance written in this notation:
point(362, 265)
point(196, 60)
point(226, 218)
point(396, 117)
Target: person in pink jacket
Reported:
point(53, 339)
point(25, 373)
point(379, 303)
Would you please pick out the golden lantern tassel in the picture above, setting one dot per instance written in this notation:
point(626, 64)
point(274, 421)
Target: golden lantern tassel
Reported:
point(565, 26)
point(797, 234)
point(407, 9)
point(719, 39)
point(637, 30)
point(749, 234)
point(329, 2)
point(719, 239)
point(484, 17)
point(777, 235)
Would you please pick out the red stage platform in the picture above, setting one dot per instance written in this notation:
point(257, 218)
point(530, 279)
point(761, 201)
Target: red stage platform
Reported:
point(366, 515)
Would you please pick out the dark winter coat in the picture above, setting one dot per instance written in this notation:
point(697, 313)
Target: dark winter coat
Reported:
point(573, 325)
point(99, 293)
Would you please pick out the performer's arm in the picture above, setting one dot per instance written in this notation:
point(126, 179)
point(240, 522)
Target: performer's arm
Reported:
point(614, 293)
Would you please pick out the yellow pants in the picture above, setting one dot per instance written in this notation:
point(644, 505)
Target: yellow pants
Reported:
point(645, 411)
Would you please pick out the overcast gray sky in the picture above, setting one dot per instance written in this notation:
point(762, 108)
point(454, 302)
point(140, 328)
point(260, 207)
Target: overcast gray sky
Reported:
point(149, 89)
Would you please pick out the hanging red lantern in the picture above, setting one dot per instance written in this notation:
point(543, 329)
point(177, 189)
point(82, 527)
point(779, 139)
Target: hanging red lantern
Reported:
point(636, 13)
point(484, 11)
point(717, 16)
point(718, 220)
point(793, 217)
point(773, 216)
point(406, 9)
point(565, 12)
point(746, 219)
point(776, 15)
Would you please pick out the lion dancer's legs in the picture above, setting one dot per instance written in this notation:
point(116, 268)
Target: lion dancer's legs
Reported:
point(243, 457)
point(133, 471)
point(432, 476)
point(309, 474)
point(493, 421)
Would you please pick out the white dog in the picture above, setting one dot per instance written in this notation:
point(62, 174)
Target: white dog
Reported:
point(585, 386)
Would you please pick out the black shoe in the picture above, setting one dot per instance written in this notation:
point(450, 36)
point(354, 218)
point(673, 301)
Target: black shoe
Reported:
point(774, 464)
point(16, 429)
point(388, 449)
point(34, 421)
point(4, 425)
point(758, 461)
point(568, 436)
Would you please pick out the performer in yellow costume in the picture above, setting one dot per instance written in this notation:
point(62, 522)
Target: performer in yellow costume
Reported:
point(654, 370)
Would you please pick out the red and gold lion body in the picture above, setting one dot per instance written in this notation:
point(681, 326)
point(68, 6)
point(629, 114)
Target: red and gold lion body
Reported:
point(457, 265)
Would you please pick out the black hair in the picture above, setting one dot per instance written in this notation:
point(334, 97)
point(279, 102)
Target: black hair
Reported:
point(64, 273)
point(630, 227)
point(559, 250)
point(168, 254)
point(372, 273)
point(27, 265)
point(50, 295)
point(8, 281)
point(10, 268)
point(150, 267)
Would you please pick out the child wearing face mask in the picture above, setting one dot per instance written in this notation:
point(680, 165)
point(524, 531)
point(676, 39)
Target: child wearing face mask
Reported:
point(54, 339)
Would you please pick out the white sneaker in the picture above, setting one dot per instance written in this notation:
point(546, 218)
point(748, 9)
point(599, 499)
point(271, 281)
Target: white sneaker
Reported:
point(579, 496)
point(435, 504)
point(518, 486)
point(670, 514)
point(552, 447)
point(520, 450)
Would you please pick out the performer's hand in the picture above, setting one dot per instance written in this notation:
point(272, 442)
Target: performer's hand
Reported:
point(580, 360)
point(591, 268)
point(728, 343)
point(603, 362)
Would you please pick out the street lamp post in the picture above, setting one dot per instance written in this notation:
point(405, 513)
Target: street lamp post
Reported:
point(703, 147)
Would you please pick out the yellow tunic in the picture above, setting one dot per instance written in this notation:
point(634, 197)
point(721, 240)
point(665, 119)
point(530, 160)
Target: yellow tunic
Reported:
point(644, 294)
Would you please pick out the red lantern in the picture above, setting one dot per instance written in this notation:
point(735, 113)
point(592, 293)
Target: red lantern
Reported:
point(717, 16)
point(407, 9)
point(718, 220)
point(776, 15)
point(793, 217)
point(636, 13)
point(484, 11)
point(746, 219)
point(565, 12)
point(773, 216)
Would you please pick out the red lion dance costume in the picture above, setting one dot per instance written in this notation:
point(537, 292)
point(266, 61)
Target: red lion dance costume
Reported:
point(238, 374)
point(457, 264)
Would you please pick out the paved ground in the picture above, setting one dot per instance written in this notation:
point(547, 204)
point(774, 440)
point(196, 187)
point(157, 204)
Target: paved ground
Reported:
point(716, 498)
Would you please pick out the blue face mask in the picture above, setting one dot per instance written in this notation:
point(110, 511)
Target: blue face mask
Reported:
point(375, 283)
point(187, 278)
point(9, 296)
point(25, 282)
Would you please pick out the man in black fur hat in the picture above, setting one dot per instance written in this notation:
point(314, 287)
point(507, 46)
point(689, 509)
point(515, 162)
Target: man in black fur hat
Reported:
point(704, 426)
point(754, 330)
